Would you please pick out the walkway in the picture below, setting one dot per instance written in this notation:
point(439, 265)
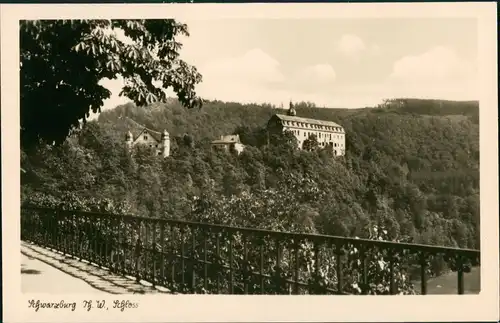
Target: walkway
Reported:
point(46, 271)
point(39, 277)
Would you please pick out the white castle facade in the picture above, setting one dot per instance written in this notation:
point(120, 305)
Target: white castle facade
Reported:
point(328, 133)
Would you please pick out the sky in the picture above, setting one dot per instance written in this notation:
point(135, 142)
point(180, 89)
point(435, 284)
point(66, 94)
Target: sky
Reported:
point(335, 63)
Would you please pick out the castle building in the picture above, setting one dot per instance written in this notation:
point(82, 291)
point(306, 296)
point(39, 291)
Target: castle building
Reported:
point(230, 142)
point(160, 142)
point(327, 133)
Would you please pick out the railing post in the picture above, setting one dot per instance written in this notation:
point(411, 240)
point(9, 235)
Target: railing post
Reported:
point(364, 262)
point(340, 276)
point(205, 260)
point(155, 254)
point(278, 279)
point(246, 266)
point(183, 258)
point(391, 272)
point(173, 254)
point(460, 274)
point(423, 273)
point(297, 266)
point(146, 252)
point(162, 254)
point(317, 289)
point(126, 250)
point(231, 264)
point(194, 260)
point(137, 252)
point(217, 252)
point(261, 265)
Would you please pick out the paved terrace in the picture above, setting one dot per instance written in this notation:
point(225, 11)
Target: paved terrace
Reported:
point(46, 271)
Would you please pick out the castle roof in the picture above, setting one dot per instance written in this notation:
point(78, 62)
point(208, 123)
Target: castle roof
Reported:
point(154, 134)
point(308, 121)
point(137, 129)
point(227, 139)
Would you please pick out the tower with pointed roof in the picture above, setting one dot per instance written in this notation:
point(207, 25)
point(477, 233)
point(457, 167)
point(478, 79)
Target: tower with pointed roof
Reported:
point(291, 110)
point(165, 140)
point(129, 140)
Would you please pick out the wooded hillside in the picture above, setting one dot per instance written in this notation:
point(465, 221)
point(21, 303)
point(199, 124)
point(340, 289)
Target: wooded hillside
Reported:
point(410, 168)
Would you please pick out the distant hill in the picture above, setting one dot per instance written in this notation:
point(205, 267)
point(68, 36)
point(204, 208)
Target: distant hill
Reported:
point(219, 118)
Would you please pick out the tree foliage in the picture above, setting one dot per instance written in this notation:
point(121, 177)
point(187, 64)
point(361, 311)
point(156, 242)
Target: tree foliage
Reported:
point(311, 143)
point(63, 61)
point(406, 176)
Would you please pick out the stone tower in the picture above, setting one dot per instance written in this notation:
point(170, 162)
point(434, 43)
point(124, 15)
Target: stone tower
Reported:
point(129, 140)
point(165, 140)
point(291, 110)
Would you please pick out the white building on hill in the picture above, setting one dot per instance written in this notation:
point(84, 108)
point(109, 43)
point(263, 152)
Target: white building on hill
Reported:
point(160, 142)
point(230, 142)
point(327, 132)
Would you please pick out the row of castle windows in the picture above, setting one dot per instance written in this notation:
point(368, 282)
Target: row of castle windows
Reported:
point(320, 135)
point(312, 126)
point(334, 144)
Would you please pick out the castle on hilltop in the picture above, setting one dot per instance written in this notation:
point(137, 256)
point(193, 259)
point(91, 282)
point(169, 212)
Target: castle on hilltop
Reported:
point(328, 133)
point(160, 142)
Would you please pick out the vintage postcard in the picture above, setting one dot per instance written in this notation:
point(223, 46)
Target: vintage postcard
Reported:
point(250, 162)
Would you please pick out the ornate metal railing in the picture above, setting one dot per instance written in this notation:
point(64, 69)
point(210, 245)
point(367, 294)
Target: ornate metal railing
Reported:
point(189, 257)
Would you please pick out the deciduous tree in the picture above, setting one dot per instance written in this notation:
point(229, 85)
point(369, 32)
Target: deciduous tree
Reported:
point(62, 63)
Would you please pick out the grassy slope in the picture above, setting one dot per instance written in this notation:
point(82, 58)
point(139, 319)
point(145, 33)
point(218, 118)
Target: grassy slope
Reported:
point(447, 284)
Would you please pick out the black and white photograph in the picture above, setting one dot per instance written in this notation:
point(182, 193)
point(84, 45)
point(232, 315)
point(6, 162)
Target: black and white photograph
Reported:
point(251, 155)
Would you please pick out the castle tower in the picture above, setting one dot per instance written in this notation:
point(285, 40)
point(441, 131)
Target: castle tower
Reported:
point(129, 140)
point(165, 140)
point(291, 110)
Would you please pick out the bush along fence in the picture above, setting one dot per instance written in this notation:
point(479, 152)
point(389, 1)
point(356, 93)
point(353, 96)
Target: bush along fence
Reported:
point(189, 257)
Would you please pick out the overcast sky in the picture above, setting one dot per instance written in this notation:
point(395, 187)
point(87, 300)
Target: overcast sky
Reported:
point(346, 63)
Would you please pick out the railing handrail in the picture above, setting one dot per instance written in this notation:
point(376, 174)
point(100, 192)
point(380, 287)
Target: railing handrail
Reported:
point(297, 236)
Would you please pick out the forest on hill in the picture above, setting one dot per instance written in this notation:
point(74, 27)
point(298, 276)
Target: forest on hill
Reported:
point(411, 169)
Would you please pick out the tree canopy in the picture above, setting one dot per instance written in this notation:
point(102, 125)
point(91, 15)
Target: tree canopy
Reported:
point(63, 61)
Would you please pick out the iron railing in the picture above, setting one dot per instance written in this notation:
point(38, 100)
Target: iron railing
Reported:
point(189, 257)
